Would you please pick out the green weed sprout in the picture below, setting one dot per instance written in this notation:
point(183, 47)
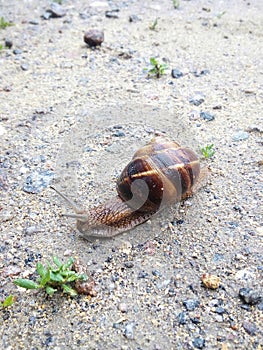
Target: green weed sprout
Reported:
point(176, 4)
point(208, 151)
point(154, 24)
point(156, 68)
point(52, 279)
point(4, 23)
point(8, 301)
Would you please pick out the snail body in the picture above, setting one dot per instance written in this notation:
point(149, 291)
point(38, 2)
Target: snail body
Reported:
point(159, 174)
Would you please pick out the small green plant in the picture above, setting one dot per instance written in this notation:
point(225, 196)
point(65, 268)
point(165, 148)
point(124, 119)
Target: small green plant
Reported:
point(208, 151)
point(220, 14)
point(153, 26)
point(8, 301)
point(4, 23)
point(51, 279)
point(1, 47)
point(176, 4)
point(156, 68)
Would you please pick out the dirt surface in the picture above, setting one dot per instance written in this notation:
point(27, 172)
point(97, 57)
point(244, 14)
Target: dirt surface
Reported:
point(76, 115)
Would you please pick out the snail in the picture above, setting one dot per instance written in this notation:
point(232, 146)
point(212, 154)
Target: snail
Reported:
point(160, 173)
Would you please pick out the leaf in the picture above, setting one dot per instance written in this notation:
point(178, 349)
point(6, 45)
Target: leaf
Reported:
point(8, 301)
point(56, 277)
point(83, 277)
point(50, 290)
point(68, 264)
point(45, 279)
point(153, 61)
point(57, 261)
point(28, 284)
point(41, 270)
point(72, 292)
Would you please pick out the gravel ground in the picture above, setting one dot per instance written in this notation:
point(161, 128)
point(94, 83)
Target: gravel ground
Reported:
point(69, 112)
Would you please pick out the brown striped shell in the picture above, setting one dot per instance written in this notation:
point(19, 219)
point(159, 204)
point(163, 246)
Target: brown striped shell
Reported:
point(160, 173)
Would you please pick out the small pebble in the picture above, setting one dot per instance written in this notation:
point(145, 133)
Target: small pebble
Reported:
point(129, 264)
point(94, 37)
point(201, 72)
point(220, 310)
point(199, 343)
point(176, 73)
point(33, 229)
point(123, 307)
point(38, 181)
point(8, 43)
point(128, 331)
point(194, 115)
point(240, 136)
point(249, 327)
point(197, 99)
point(134, 18)
point(112, 13)
point(119, 133)
point(182, 318)
point(24, 66)
point(191, 304)
point(56, 10)
point(143, 274)
point(17, 52)
point(210, 281)
point(156, 273)
point(207, 116)
point(250, 296)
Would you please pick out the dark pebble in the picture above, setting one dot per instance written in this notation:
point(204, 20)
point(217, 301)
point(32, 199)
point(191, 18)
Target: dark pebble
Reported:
point(191, 304)
point(250, 296)
point(249, 327)
point(176, 73)
point(119, 133)
point(94, 37)
point(201, 72)
point(112, 13)
point(109, 259)
point(182, 318)
point(38, 181)
point(134, 18)
point(199, 343)
point(24, 66)
point(197, 99)
point(207, 116)
point(49, 340)
point(8, 43)
point(129, 264)
point(195, 320)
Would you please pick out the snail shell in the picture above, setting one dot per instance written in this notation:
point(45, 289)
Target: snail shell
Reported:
point(160, 173)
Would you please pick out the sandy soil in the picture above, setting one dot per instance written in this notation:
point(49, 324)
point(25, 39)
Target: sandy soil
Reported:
point(81, 113)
